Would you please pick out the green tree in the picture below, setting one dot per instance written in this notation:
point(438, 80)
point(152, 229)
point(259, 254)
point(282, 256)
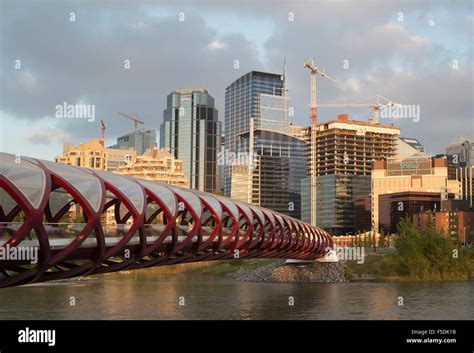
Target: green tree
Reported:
point(374, 240)
point(382, 239)
point(409, 249)
point(426, 253)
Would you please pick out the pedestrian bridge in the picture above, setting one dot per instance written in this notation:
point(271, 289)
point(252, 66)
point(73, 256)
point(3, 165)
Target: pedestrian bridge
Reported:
point(81, 221)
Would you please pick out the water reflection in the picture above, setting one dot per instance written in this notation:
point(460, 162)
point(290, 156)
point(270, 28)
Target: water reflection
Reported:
point(152, 294)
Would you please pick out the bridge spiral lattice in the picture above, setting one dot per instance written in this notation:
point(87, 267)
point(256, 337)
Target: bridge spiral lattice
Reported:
point(79, 221)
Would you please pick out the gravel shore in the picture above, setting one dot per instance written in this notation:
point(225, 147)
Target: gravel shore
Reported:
point(295, 273)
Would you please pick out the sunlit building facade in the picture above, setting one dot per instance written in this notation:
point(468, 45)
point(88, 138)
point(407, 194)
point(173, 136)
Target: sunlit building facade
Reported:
point(345, 150)
point(412, 174)
point(157, 165)
point(192, 133)
point(94, 155)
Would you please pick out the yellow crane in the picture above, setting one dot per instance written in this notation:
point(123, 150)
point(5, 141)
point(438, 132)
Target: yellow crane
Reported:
point(135, 119)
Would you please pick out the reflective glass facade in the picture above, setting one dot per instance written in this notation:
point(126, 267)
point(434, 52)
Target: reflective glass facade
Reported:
point(192, 132)
point(336, 195)
point(241, 104)
point(257, 125)
point(279, 167)
point(139, 140)
point(273, 113)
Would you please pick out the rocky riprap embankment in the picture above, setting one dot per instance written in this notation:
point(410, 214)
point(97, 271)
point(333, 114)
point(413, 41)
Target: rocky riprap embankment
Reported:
point(295, 273)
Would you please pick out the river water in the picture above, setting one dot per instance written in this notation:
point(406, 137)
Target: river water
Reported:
point(152, 294)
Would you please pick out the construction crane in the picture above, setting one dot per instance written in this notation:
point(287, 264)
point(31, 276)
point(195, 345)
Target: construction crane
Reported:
point(102, 136)
point(315, 71)
point(376, 103)
point(135, 119)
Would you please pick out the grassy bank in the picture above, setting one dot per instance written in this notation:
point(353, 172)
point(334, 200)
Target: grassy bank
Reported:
point(389, 268)
point(230, 266)
point(420, 255)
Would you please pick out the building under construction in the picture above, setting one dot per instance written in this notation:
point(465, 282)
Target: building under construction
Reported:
point(344, 151)
point(348, 147)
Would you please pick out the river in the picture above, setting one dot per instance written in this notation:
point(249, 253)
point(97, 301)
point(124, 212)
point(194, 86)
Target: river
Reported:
point(152, 294)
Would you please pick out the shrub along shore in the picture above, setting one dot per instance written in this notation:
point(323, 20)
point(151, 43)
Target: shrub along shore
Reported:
point(420, 255)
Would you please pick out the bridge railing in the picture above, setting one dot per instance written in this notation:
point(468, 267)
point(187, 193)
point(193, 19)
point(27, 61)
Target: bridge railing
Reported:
point(84, 222)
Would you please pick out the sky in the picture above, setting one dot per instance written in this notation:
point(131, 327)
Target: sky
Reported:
point(417, 53)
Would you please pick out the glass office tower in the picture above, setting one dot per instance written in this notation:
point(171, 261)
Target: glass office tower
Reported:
point(192, 132)
point(241, 104)
point(257, 125)
point(140, 140)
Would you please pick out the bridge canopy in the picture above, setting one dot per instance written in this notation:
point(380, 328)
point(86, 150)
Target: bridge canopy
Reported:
point(84, 221)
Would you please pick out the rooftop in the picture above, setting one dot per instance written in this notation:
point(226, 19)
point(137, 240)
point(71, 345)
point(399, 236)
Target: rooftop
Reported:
point(189, 91)
point(343, 118)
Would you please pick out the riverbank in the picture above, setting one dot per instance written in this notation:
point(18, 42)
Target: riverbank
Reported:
point(384, 266)
point(281, 272)
point(263, 270)
point(391, 268)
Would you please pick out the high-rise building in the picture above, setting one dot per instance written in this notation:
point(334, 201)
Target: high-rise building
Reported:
point(345, 150)
point(465, 177)
point(220, 166)
point(258, 127)
point(94, 155)
point(241, 105)
point(157, 165)
point(192, 132)
point(348, 147)
point(140, 140)
point(461, 150)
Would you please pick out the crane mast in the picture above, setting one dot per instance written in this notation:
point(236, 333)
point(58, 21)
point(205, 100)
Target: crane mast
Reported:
point(313, 121)
point(102, 136)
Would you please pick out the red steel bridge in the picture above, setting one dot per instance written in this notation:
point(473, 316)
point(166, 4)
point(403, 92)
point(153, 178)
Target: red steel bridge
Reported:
point(81, 221)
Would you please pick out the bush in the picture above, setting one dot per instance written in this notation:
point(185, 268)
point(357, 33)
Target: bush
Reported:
point(429, 254)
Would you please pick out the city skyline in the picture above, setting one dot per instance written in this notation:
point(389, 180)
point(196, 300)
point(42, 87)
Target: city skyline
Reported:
point(241, 160)
point(413, 42)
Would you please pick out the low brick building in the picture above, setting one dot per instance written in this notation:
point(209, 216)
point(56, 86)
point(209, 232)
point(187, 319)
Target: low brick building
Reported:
point(457, 224)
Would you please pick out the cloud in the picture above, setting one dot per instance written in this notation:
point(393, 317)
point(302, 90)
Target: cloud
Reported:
point(64, 61)
point(351, 86)
point(28, 81)
point(86, 59)
point(47, 135)
point(215, 45)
